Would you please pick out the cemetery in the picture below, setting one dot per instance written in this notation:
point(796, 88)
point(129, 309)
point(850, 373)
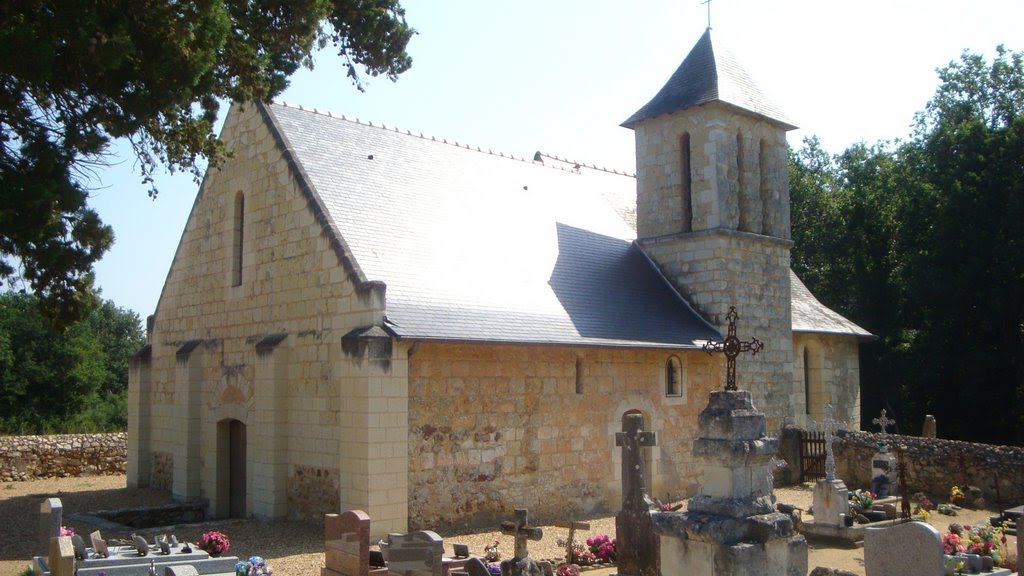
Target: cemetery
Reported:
point(733, 525)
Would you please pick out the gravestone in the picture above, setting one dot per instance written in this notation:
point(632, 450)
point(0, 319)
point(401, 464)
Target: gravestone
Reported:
point(831, 497)
point(731, 527)
point(910, 549)
point(419, 553)
point(181, 570)
point(1020, 544)
point(51, 518)
point(636, 543)
point(62, 556)
point(347, 545)
point(570, 541)
point(929, 428)
point(521, 564)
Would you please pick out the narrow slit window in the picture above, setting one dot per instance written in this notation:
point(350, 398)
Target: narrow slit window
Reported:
point(238, 233)
point(686, 193)
point(579, 375)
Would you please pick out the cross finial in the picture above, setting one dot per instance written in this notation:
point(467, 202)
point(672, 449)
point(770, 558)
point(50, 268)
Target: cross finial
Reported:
point(732, 347)
point(708, 3)
point(883, 421)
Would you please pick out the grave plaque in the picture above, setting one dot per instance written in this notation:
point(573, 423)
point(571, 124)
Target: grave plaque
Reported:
point(99, 545)
point(141, 546)
point(62, 556)
point(79, 545)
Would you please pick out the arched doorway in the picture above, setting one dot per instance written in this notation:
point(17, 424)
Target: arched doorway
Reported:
point(231, 477)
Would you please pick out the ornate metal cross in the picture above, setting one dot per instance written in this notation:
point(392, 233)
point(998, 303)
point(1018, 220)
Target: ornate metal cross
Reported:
point(732, 347)
point(522, 531)
point(632, 439)
point(883, 421)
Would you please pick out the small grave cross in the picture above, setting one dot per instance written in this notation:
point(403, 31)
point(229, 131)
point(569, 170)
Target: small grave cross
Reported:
point(522, 531)
point(573, 526)
point(829, 428)
point(732, 347)
point(631, 440)
point(883, 421)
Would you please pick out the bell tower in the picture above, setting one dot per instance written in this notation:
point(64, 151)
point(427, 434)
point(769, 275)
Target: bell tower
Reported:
point(713, 208)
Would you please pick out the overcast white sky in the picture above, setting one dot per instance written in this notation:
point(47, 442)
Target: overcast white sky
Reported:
point(560, 75)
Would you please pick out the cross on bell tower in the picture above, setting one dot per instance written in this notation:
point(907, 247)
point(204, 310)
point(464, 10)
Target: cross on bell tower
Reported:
point(732, 347)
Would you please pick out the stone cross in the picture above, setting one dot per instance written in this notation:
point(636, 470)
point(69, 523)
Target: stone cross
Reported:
point(708, 2)
point(732, 347)
point(632, 439)
point(51, 518)
point(522, 531)
point(573, 526)
point(829, 428)
point(883, 421)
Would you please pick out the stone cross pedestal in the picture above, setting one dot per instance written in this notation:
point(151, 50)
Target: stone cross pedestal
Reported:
point(831, 497)
point(636, 543)
point(731, 527)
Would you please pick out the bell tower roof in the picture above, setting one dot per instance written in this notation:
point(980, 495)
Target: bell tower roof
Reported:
point(707, 75)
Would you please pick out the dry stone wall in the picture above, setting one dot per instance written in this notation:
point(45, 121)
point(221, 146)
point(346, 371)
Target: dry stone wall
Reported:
point(933, 464)
point(56, 456)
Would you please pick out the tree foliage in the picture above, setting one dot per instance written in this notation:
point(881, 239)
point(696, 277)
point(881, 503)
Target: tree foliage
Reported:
point(71, 381)
point(922, 242)
point(75, 75)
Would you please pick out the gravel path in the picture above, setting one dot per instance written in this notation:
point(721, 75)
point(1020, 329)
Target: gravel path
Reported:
point(296, 548)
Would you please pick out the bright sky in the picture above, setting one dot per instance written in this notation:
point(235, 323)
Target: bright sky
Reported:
point(560, 75)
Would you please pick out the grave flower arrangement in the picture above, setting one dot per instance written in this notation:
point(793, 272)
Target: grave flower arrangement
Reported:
point(254, 566)
point(67, 531)
point(214, 542)
point(603, 547)
point(862, 499)
point(568, 570)
point(984, 540)
point(491, 553)
point(956, 495)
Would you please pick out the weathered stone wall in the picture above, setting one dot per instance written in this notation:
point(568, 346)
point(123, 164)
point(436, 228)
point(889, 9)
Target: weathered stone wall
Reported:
point(497, 427)
point(933, 464)
point(256, 363)
point(834, 378)
point(56, 456)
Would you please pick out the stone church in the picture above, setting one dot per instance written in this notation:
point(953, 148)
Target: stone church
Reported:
point(361, 317)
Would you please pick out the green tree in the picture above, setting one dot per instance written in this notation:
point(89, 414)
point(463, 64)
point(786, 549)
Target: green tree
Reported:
point(70, 381)
point(75, 75)
point(921, 243)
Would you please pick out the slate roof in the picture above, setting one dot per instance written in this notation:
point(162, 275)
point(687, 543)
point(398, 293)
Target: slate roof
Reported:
point(810, 315)
point(709, 74)
point(475, 246)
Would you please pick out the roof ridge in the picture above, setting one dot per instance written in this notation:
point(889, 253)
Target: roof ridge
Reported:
point(456, 143)
point(577, 165)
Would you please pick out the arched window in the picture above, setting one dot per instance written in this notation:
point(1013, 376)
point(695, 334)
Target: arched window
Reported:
point(814, 390)
point(764, 191)
point(673, 376)
point(238, 234)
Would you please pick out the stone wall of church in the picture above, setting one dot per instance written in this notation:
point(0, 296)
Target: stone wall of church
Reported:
point(266, 352)
point(496, 427)
point(831, 375)
point(717, 270)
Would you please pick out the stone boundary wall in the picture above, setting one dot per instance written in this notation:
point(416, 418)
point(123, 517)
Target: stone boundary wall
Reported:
point(62, 455)
point(933, 465)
